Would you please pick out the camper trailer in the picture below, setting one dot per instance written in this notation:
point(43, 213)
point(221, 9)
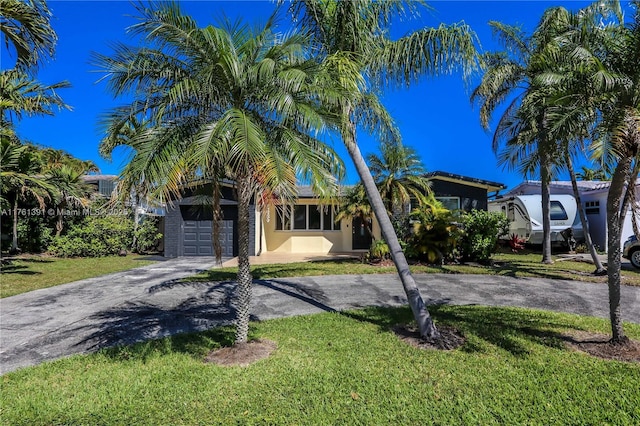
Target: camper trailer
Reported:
point(525, 215)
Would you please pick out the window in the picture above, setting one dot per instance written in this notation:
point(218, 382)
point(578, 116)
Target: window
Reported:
point(592, 207)
point(557, 211)
point(283, 218)
point(299, 217)
point(450, 203)
point(306, 218)
point(328, 219)
point(314, 217)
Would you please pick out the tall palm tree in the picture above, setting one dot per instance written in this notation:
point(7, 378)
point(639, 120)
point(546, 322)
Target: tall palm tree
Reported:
point(21, 179)
point(603, 87)
point(26, 26)
point(511, 77)
point(400, 177)
point(353, 38)
point(223, 101)
point(21, 95)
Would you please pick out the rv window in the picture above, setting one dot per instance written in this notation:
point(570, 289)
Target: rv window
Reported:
point(557, 211)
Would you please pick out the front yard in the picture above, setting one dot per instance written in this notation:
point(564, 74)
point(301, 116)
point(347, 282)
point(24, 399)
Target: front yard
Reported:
point(342, 368)
point(30, 272)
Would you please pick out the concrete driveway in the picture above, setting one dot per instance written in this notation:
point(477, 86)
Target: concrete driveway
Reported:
point(151, 302)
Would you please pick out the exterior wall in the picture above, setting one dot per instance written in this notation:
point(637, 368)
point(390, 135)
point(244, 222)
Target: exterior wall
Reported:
point(307, 241)
point(471, 197)
point(172, 230)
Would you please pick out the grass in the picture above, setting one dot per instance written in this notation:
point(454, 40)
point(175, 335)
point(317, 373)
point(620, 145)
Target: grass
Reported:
point(515, 265)
point(28, 273)
point(341, 368)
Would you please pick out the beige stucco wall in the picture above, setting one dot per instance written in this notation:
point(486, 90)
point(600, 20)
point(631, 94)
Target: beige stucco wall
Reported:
point(300, 241)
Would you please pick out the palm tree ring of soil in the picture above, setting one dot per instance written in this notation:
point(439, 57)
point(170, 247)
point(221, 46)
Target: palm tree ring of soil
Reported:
point(450, 337)
point(600, 345)
point(242, 354)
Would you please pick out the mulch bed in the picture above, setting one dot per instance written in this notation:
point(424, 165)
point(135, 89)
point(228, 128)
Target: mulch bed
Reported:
point(450, 337)
point(242, 354)
point(599, 345)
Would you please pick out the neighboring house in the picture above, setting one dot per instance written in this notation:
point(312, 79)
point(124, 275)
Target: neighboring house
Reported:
point(593, 195)
point(457, 192)
point(103, 184)
point(306, 227)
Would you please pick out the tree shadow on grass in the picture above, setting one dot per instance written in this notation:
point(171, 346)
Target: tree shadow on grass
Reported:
point(19, 269)
point(511, 329)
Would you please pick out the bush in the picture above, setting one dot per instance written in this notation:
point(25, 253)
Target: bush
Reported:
point(379, 250)
point(482, 230)
point(435, 236)
point(147, 235)
point(34, 234)
point(95, 236)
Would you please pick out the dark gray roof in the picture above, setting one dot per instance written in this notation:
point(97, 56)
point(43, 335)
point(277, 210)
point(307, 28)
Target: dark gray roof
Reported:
point(489, 185)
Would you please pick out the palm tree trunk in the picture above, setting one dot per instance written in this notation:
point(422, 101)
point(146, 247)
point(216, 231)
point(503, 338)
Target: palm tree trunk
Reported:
point(244, 278)
point(583, 217)
point(14, 240)
point(545, 177)
point(136, 218)
point(425, 323)
point(615, 220)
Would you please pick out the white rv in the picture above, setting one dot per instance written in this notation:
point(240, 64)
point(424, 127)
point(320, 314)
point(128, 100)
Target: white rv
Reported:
point(525, 214)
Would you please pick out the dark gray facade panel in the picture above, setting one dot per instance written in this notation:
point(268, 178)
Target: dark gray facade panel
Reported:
point(470, 197)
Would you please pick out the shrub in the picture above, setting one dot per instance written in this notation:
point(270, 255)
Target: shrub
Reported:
point(482, 230)
point(147, 235)
point(95, 236)
point(435, 236)
point(379, 250)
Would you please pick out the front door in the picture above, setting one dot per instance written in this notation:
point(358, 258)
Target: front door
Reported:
point(361, 236)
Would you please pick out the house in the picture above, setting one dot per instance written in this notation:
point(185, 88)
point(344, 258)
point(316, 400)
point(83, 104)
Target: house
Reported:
point(309, 226)
point(102, 184)
point(457, 192)
point(593, 195)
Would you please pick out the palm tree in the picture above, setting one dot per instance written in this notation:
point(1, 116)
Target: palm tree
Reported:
point(26, 26)
point(353, 38)
point(588, 173)
point(21, 95)
point(603, 87)
point(70, 191)
point(21, 179)
point(354, 204)
point(524, 128)
point(399, 176)
point(223, 101)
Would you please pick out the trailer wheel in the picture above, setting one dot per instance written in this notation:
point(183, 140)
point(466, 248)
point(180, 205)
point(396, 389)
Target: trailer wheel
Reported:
point(634, 257)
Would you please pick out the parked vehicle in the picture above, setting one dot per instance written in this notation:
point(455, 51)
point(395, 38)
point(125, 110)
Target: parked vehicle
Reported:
point(631, 251)
point(525, 215)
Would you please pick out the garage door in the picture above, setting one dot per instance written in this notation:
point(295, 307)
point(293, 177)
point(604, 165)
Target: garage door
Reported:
point(197, 238)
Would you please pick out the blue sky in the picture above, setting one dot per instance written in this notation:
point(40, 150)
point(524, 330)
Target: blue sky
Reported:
point(435, 116)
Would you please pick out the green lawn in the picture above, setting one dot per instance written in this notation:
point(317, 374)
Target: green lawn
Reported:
point(341, 369)
point(29, 273)
point(511, 264)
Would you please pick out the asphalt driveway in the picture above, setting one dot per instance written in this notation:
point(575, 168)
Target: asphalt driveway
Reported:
point(151, 302)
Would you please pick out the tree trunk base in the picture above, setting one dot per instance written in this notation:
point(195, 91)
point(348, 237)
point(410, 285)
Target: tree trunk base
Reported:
point(600, 272)
point(448, 337)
